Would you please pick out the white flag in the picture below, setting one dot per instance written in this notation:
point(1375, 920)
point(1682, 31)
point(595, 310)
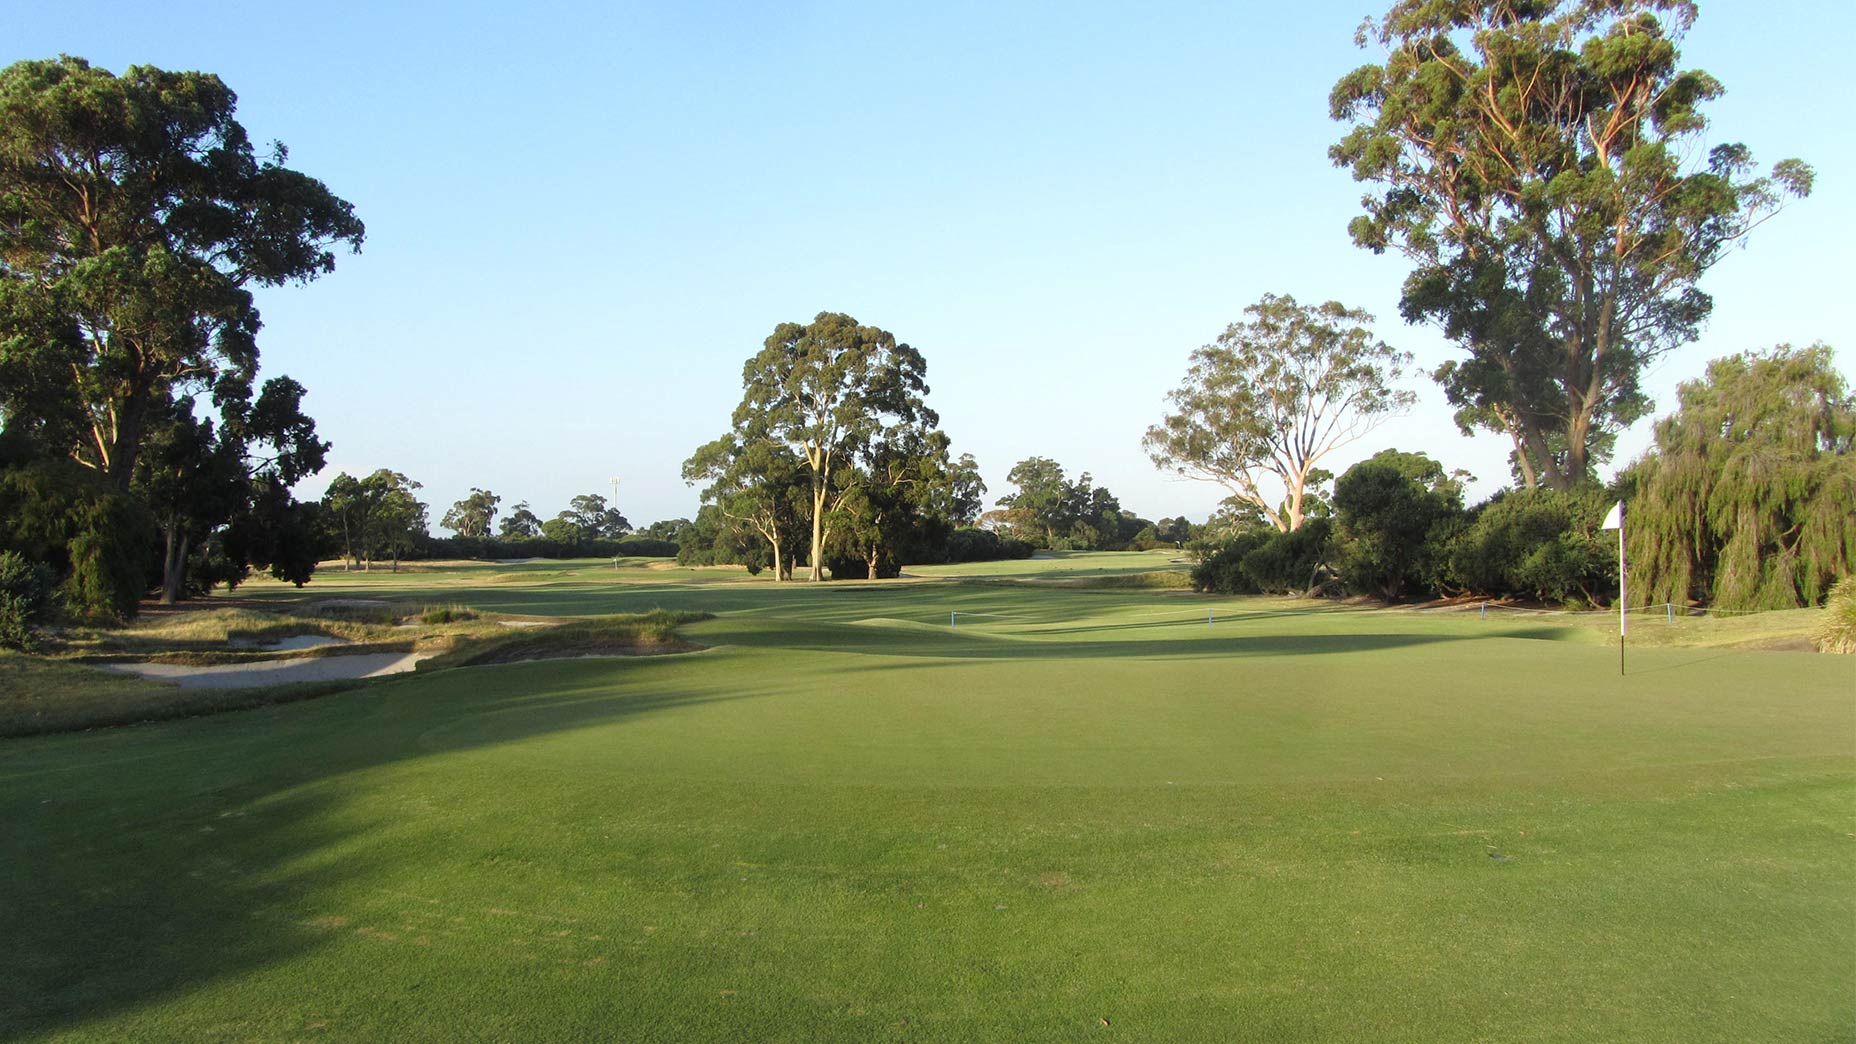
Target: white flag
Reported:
point(1614, 520)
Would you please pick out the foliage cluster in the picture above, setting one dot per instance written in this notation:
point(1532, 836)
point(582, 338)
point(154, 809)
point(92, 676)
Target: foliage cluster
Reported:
point(1837, 634)
point(25, 594)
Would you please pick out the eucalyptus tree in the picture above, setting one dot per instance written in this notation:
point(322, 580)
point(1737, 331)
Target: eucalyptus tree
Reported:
point(135, 220)
point(1533, 161)
point(1275, 396)
point(377, 515)
point(199, 479)
point(823, 392)
point(590, 512)
point(1748, 500)
point(760, 486)
point(471, 517)
point(906, 492)
point(521, 522)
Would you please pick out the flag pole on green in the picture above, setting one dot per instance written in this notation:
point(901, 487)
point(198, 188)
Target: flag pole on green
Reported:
point(1615, 520)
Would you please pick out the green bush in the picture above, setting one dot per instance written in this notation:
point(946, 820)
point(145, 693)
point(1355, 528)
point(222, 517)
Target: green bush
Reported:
point(1221, 567)
point(97, 542)
point(443, 614)
point(1396, 516)
point(1538, 544)
point(25, 595)
point(1837, 634)
point(982, 545)
point(1264, 561)
point(1292, 562)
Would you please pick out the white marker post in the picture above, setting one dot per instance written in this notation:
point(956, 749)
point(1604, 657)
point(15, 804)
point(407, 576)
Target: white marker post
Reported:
point(1615, 520)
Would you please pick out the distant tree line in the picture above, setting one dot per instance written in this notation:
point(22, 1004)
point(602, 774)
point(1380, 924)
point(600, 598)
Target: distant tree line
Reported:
point(380, 518)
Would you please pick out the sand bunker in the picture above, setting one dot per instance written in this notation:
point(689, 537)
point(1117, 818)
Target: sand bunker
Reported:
point(277, 672)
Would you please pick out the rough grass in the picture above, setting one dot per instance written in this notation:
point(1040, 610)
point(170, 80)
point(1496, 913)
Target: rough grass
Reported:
point(635, 634)
point(39, 696)
point(1836, 633)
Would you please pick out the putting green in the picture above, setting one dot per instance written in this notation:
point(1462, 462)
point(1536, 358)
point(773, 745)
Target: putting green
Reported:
point(1085, 815)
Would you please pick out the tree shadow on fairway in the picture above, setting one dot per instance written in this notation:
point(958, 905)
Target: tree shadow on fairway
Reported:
point(138, 865)
point(1037, 645)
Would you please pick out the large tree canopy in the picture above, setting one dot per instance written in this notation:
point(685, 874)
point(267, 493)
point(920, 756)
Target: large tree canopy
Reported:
point(826, 391)
point(1532, 160)
point(134, 219)
point(1749, 498)
point(1273, 397)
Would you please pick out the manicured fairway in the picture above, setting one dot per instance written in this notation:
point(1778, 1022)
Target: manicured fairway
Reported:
point(1089, 815)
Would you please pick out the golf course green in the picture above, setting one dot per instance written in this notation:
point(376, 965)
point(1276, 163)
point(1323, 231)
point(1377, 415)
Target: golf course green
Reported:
point(1073, 811)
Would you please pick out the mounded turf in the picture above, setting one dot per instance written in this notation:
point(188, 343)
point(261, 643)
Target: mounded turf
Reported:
point(1089, 815)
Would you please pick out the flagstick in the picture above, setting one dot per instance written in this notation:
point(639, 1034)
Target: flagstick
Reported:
point(1615, 520)
point(1623, 587)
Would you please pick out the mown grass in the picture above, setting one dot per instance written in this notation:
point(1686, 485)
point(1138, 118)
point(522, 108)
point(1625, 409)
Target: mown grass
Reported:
point(1090, 814)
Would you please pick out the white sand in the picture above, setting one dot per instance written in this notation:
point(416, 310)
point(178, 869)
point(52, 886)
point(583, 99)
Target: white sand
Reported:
point(276, 672)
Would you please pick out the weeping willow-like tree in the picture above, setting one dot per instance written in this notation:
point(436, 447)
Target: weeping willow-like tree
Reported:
point(1749, 499)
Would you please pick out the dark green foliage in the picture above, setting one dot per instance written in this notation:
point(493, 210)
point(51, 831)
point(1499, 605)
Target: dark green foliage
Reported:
point(444, 614)
point(96, 540)
point(815, 399)
point(1749, 499)
point(1221, 569)
point(1537, 163)
point(1051, 511)
point(663, 529)
point(1539, 544)
point(1263, 560)
point(520, 523)
point(373, 517)
point(981, 545)
point(135, 221)
point(471, 517)
point(715, 539)
point(1396, 514)
point(25, 595)
point(1294, 562)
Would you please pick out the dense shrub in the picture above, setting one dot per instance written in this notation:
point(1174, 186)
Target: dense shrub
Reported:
point(25, 595)
point(97, 542)
point(981, 545)
point(1264, 561)
point(1538, 544)
point(1221, 566)
point(1292, 562)
point(1837, 634)
point(1395, 517)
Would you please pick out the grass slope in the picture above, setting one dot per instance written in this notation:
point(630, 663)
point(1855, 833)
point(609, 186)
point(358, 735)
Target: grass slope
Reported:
point(1087, 815)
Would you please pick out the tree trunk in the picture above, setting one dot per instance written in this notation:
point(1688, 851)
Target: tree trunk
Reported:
point(817, 573)
point(173, 566)
point(873, 557)
point(128, 440)
point(779, 572)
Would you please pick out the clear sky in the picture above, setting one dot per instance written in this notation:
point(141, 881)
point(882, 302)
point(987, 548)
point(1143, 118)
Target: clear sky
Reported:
point(583, 218)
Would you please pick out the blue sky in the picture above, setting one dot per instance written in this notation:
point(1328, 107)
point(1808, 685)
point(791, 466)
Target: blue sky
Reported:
point(582, 219)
